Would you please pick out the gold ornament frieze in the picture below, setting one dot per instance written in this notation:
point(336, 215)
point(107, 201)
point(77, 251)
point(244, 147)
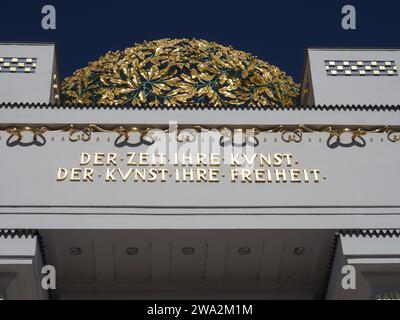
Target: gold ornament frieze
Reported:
point(288, 134)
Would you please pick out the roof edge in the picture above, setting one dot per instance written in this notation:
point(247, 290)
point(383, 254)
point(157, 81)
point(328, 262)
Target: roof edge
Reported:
point(18, 105)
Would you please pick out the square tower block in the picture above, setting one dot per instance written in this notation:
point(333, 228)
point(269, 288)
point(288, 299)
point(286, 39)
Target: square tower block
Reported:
point(28, 73)
point(351, 77)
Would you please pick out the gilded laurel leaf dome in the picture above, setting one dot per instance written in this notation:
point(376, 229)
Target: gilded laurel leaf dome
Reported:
point(180, 72)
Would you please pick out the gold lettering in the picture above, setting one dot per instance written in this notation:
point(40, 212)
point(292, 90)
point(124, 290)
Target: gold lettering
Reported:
point(280, 173)
point(305, 174)
point(201, 175)
point(289, 158)
point(126, 176)
point(187, 159)
point(277, 159)
point(176, 162)
point(110, 175)
point(295, 175)
point(259, 175)
point(88, 174)
point(153, 175)
point(140, 174)
point(214, 175)
point(269, 176)
point(265, 159)
point(154, 160)
point(234, 174)
point(262, 174)
point(249, 161)
point(62, 174)
point(131, 161)
point(162, 158)
point(75, 174)
point(164, 173)
point(187, 173)
point(235, 160)
point(143, 159)
point(246, 175)
point(111, 159)
point(98, 158)
point(215, 159)
point(85, 158)
point(315, 172)
point(201, 159)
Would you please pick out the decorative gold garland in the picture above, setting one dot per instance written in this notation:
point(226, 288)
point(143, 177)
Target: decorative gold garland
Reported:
point(288, 133)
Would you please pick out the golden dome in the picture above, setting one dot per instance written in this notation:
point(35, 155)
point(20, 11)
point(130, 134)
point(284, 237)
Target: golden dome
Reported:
point(180, 72)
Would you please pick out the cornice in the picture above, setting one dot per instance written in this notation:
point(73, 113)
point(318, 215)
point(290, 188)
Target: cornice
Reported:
point(196, 107)
point(26, 233)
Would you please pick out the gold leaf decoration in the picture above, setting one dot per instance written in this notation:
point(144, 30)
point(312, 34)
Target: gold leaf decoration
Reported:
point(180, 72)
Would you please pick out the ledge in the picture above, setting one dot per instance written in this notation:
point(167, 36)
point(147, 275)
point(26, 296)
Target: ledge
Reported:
point(53, 115)
point(190, 222)
point(193, 107)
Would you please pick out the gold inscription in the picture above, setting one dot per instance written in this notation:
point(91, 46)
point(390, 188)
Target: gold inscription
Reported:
point(113, 167)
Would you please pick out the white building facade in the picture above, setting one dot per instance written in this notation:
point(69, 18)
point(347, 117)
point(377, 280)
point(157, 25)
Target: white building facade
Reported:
point(202, 202)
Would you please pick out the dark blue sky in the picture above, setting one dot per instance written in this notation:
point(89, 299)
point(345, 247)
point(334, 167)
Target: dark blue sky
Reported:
point(276, 31)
